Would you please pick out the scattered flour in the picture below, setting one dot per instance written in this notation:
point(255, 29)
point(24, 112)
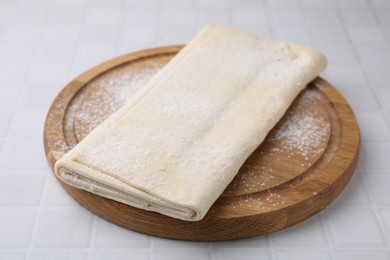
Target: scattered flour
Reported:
point(108, 95)
point(305, 131)
point(302, 136)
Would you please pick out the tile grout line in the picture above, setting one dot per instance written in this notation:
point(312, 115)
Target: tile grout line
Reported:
point(91, 249)
point(376, 212)
point(5, 138)
point(38, 216)
point(72, 74)
point(380, 25)
point(19, 102)
point(326, 232)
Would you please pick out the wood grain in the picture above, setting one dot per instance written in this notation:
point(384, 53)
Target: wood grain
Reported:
point(278, 186)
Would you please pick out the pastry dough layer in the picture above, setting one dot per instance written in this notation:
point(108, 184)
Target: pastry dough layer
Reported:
point(176, 145)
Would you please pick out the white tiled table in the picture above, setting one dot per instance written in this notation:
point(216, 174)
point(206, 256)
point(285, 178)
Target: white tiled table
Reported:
point(45, 43)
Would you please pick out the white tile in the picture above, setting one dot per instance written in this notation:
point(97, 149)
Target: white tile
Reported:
point(5, 121)
point(16, 226)
point(384, 97)
point(309, 233)
point(374, 155)
point(373, 126)
point(97, 52)
point(7, 3)
point(4, 14)
point(81, 66)
point(105, 3)
point(386, 30)
point(383, 14)
point(23, 33)
point(16, 52)
point(346, 76)
point(13, 72)
point(58, 255)
point(380, 3)
point(182, 254)
point(377, 74)
point(39, 97)
point(163, 243)
point(64, 228)
point(176, 3)
point(56, 51)
point(338, 53)
point(24, 153)
point(255, 242)
point(295, 34)
point(354, 194)
point(29, 122)
point(249, 16)
point(55, 195)
point(379, 187)
point(246, 3)
point(109, 235)
point(34, 2)
point(354, 227)
point(103, 15)
point(62, 33)
point(71, 2)
point(359, 98)
point(282, 3)
point(9, 96)
point(131, 46)
point(302, 255)
point(50, 72)
point(358, 16)
point(321, 16)
point(214, 3)
point(144, 3)
point(28, 15)
point(351, 3)
point(214, 15)
point(177, 16)
point(359, 254)
point(317, 3)
point(21, 190)
point(366, 34)
point(328, 34)
point(140, 33)
point(174, 35)
point(287, 16)
point(66, 15)
point(138, 16)
point(105, 34)
point(7, 255)
point(241, 254)
point(385, 216)
point(121, 255)
point(374, 53)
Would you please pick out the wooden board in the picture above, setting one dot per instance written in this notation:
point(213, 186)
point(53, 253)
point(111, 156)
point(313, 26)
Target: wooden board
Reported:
point(303, 164)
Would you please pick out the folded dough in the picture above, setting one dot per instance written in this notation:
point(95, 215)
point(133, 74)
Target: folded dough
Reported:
point(176, 145)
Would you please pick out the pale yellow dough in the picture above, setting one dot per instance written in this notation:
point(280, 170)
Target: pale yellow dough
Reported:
point(176, 145)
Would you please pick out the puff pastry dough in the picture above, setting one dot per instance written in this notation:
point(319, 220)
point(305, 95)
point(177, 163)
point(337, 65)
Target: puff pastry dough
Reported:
point(177, 144)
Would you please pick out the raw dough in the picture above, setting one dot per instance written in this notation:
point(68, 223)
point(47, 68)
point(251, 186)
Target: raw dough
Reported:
point(177, 144)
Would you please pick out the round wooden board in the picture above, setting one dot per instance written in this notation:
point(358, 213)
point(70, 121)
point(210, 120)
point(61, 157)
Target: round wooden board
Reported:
point(304, 163)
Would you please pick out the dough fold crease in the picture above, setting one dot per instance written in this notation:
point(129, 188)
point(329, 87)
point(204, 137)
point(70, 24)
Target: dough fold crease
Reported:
point(178, 142)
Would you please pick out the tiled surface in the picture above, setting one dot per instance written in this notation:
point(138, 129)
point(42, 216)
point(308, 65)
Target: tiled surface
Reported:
point(44, 43)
